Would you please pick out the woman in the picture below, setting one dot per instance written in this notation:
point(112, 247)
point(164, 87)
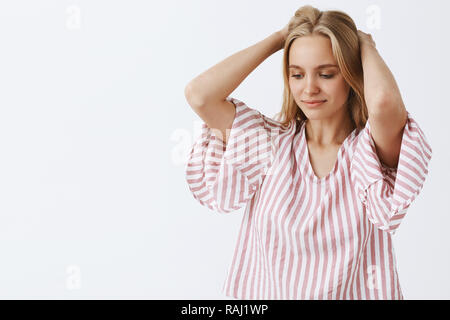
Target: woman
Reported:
point(327, 185)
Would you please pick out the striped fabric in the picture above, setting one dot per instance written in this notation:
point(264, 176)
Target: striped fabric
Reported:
point(305, 237)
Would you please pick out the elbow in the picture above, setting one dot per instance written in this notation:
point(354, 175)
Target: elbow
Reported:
point(385, 103)
point(194, 99)
point(188, 91)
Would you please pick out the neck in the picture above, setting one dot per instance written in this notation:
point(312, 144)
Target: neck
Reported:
point(330, 131)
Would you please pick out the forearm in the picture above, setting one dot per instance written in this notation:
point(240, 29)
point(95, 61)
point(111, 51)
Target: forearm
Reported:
point(379, 83)
point(219, 81)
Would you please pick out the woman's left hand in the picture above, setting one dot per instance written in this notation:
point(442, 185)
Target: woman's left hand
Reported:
point(366, 38)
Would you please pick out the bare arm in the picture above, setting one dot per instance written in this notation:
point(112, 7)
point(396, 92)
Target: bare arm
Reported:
point(387, 112)
point(379, 83)
point(216, 83)
point(207, 92)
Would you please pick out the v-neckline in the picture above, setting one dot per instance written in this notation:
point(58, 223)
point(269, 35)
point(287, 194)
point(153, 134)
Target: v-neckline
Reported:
point(310, 171)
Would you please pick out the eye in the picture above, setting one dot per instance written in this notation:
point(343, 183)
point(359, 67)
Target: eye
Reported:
point(325, 76)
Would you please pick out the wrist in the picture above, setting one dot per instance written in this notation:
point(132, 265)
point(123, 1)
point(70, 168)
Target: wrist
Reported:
point(281, 39)
point(367, 48)
point(367, 44)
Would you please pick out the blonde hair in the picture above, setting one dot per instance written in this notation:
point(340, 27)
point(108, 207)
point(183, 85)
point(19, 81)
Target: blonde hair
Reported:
point(342, 32)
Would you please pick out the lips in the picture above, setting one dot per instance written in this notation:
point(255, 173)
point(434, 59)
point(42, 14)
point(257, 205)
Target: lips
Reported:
point(313, 101)
point(313, 104)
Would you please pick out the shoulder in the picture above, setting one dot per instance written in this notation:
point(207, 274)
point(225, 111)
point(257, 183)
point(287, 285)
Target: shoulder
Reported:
point(270, 124)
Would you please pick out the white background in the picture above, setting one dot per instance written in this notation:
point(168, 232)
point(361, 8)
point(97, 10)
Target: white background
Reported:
point(95, 130)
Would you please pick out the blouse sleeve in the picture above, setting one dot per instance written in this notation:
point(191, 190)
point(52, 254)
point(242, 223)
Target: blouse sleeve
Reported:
point(386, 193)
point(224, 177)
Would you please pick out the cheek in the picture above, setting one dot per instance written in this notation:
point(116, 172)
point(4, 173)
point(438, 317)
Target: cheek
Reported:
point(296, 87)
point(293, 84)
point(338, 89)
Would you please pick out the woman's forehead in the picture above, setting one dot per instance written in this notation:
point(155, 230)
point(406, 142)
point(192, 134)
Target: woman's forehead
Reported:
point(311, 53)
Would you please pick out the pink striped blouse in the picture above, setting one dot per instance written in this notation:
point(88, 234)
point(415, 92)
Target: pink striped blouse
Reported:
point(304, 237)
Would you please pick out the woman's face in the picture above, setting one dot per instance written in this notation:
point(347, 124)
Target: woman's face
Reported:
point(313, 82)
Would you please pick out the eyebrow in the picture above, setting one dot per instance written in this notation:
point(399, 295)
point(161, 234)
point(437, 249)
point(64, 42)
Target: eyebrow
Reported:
point(319, 67)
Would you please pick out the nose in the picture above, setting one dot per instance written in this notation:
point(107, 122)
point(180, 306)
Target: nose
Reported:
point(311, 86)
